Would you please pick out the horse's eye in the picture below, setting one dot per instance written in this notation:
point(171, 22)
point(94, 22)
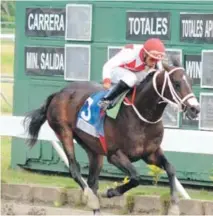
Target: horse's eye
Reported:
point(177, 85)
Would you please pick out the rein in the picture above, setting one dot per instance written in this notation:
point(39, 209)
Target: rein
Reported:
point(178, 101)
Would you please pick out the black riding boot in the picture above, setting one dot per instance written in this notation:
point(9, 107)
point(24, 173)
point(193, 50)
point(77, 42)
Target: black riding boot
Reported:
point(113, 93)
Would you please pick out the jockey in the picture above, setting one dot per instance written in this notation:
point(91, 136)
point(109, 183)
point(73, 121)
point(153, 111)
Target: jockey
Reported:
point(130, 66)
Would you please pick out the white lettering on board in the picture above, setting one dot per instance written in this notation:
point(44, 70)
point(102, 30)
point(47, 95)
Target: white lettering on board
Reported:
point(29, 21)
point(209, 28)
point(193, 69)
point(46, 22)
point(197, 28)
point(52, 61)
point(32, 60)
point(148, 26)
point(192, 28)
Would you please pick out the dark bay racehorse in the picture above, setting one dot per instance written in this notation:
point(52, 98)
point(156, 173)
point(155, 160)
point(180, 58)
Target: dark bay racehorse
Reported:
point(135, 134)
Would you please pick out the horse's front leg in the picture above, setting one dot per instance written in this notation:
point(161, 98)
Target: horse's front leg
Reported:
point(159, 159)
point(121, 161)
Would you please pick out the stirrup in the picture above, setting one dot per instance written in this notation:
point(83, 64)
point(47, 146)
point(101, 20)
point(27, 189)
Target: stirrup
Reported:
point(104, 104)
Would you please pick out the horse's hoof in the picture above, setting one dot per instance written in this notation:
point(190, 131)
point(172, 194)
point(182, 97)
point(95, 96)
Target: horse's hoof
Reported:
point(112, 192)
point(96, 212)
point(173, 210)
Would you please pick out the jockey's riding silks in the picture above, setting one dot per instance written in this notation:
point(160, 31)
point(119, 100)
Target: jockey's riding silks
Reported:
point(128, 65)
point(131, 65)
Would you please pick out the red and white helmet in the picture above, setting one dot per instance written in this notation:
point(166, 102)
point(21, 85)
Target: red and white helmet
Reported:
point(155, 48)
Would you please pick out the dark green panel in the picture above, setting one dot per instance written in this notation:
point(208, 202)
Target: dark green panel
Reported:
point(107, 29)
point(47, 151)
point(18, 152)
point(35, 152)
point(192, 166)
point(20, 99)
point(40, 90)
point(99, 56)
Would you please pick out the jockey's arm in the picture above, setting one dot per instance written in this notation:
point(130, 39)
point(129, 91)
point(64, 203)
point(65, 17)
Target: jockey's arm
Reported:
point(124, 56)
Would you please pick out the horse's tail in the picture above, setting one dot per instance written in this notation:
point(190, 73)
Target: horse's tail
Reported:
point(35, 119)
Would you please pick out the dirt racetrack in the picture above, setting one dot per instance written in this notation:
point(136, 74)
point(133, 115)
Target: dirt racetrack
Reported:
point(15, 208)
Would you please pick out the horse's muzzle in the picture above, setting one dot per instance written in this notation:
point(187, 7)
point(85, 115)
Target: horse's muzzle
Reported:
point(192, 112)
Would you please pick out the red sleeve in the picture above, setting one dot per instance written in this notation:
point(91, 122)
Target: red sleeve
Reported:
point(129, 46)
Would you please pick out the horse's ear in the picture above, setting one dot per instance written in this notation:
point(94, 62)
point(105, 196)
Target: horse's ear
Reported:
point(175, 61)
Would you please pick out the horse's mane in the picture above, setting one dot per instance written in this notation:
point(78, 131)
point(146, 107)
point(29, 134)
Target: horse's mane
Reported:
point(147, 79)
point(144, 82)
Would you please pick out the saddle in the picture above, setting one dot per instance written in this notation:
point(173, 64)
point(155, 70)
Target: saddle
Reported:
point(91, 117)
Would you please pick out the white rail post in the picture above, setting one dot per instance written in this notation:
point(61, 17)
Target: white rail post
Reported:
point(60, 152)
point(181, 189)
point(63, 156)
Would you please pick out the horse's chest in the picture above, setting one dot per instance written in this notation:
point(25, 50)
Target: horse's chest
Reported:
point(134, 133)
point(133, 141)
point(135, 152)
point(138, 140)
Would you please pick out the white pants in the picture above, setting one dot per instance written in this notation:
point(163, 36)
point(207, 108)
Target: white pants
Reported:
point(127, 76)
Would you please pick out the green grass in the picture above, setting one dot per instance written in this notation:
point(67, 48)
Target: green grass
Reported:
point(7, 62)
point(8, 30)
point(195, 194)
point(20, 176)
point(13, 176)
point(7, 57)
point(6, 98)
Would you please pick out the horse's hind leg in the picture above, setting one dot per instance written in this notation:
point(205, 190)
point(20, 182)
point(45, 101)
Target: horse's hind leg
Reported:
point(95, 166)
point(65, 135)
point(66, 138)
point(121, 161)
point(159, 159)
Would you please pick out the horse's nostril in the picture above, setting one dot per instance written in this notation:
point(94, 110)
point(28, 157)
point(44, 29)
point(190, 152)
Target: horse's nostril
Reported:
point(195, 110)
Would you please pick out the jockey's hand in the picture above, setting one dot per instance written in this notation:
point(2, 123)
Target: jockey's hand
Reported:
point(107, 83)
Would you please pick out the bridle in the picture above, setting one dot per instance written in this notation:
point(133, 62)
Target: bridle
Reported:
point(179, 103)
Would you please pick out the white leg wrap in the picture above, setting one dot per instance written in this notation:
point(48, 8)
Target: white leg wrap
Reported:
point(174, 210)
point(92, 199)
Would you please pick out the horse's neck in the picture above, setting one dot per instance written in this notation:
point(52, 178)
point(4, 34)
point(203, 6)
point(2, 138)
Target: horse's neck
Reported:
point(147, 103)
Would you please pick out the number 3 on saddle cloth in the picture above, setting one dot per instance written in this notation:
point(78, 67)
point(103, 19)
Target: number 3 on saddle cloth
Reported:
point(91, 117)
